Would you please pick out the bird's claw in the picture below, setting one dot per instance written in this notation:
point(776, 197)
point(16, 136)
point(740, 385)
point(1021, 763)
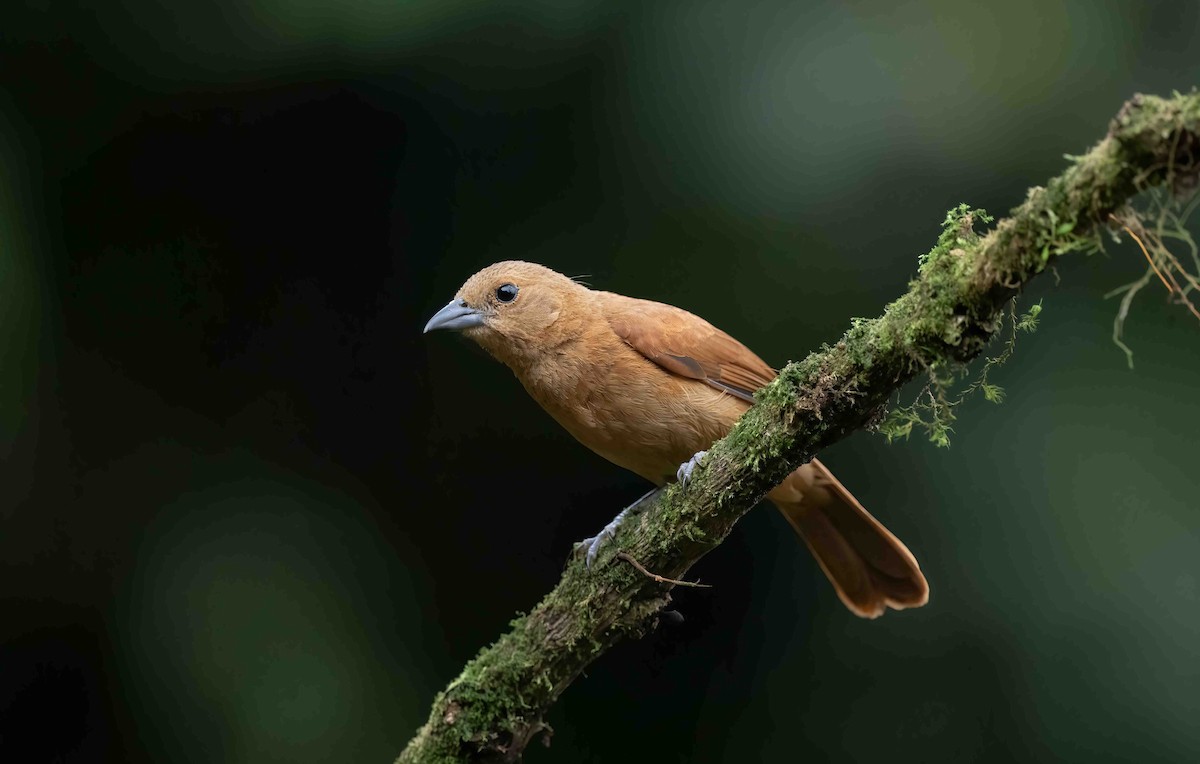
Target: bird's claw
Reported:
point(593, 545)
point(684, 473)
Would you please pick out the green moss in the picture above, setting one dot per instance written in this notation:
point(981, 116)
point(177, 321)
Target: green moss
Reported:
point(934, 409)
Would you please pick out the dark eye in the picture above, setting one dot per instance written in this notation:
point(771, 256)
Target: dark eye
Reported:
point(506, 293)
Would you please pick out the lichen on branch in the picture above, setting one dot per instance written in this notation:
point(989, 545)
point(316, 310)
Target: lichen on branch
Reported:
point(956, 304)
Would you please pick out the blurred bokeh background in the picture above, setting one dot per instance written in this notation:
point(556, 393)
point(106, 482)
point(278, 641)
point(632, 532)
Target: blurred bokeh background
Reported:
point(250, 514)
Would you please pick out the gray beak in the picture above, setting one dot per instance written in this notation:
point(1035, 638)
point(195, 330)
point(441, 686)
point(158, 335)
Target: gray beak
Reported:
point(455, 316)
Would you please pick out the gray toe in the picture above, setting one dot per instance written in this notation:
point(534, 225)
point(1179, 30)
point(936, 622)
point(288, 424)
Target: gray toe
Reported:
point(684, 473)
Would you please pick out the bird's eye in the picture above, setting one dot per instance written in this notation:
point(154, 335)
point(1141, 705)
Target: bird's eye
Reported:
point(506, 293)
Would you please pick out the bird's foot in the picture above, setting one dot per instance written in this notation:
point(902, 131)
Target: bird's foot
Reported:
point(593, 544)
point(684, 473)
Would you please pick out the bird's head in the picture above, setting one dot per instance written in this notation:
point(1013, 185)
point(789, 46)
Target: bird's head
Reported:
point(514, 309)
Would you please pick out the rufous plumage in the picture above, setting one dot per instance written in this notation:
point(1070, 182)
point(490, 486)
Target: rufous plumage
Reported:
point(648, 385)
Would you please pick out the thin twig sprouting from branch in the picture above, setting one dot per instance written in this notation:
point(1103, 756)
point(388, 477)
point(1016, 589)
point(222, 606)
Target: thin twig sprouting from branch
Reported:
point(654, 576)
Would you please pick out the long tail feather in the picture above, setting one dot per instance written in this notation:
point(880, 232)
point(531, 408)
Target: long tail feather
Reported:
point(870, 569)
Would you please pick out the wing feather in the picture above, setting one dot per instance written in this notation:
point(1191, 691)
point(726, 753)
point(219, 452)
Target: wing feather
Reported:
point(686, 345)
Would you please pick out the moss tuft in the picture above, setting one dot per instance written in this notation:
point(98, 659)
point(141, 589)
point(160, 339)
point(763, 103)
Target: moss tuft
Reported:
point(934, 409)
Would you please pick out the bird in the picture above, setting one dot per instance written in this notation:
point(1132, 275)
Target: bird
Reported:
point(649, 387)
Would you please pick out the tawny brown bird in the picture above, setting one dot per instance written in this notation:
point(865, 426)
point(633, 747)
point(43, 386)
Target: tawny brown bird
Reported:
point(649, 386)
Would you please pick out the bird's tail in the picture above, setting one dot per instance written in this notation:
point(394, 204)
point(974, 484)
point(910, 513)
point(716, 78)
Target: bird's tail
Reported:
point(868, 566)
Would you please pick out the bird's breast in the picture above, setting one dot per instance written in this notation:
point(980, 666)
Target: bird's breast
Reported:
point(631, 411)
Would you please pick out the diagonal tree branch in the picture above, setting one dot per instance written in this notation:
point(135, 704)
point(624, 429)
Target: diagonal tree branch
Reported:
point(950, 312)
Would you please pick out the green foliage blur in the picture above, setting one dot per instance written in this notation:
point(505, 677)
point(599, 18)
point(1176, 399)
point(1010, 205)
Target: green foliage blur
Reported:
point(248, 513)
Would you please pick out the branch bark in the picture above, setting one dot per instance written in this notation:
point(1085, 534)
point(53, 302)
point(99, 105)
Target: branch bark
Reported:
point(952, 310)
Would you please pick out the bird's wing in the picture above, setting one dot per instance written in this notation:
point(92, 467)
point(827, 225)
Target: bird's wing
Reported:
point(686, 345)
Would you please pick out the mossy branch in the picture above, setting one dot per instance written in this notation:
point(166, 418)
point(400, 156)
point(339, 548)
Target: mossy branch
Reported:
point(954, 307)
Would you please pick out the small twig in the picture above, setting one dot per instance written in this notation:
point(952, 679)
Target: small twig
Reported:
point(1174, 289)
point(1149, 259)
point(661, 579)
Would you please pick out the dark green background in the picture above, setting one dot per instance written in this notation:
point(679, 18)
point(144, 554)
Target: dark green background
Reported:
point(250, 514)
